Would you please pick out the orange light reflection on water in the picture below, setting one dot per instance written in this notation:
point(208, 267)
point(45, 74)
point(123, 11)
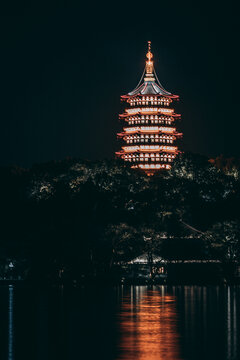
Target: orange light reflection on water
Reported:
point(148, 326)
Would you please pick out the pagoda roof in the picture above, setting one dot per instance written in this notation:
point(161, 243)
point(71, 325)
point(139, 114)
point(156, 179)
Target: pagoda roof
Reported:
point(144, 259)
point(149, 86)
point(149, 83)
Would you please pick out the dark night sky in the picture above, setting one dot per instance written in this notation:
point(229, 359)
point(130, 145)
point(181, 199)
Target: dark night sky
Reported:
point(64, 67)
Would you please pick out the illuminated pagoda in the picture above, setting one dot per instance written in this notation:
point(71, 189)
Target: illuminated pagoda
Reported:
point(150, 133)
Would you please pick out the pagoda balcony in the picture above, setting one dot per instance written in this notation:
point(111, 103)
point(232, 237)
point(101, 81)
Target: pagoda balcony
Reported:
point(150, 148)
point(126, 116)
point(142, 102)
point(148, 110)
point(173, 134)
point(151, 167)
point(166, 123)
point(147, 156)
point(150, 122)
point(149, 161)
point(149, 129)
point(150, 141)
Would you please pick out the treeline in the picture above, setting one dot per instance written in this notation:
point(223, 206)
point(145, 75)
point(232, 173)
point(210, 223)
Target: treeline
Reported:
point(79, 218)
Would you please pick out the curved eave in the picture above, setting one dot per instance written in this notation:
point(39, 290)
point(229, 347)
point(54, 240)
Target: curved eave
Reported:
point(139, 113)
point(122, 134)
point(148, 151)
point(122, 152)
point(127, 96)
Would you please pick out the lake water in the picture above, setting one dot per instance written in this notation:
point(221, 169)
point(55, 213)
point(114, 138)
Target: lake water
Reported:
point(120, 323)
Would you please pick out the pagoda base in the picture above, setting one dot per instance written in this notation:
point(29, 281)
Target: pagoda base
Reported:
point(151, 169)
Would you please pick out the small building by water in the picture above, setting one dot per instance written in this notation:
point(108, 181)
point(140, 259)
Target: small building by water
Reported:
point(144, 268)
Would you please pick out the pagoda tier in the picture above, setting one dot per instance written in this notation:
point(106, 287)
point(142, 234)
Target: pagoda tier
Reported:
point(150, 135)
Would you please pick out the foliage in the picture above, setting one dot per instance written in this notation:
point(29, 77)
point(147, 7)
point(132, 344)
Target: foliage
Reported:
point(223, 240)
point(87, 215)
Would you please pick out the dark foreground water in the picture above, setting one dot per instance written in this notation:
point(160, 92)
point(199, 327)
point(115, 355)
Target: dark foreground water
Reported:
point(130, 323)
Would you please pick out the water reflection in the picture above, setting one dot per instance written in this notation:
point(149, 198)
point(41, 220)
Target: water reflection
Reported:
point(232, 323)
point(182, 322)
point(10, 323)
point(122, 323)
point(148, 322)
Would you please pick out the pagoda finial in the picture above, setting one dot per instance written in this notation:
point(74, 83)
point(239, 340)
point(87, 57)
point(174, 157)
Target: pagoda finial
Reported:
point(149, 53)
point(149, 63)
point(149, 46)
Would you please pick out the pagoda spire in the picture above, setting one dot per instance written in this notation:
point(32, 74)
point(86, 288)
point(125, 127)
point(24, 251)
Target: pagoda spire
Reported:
point(149, 64)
